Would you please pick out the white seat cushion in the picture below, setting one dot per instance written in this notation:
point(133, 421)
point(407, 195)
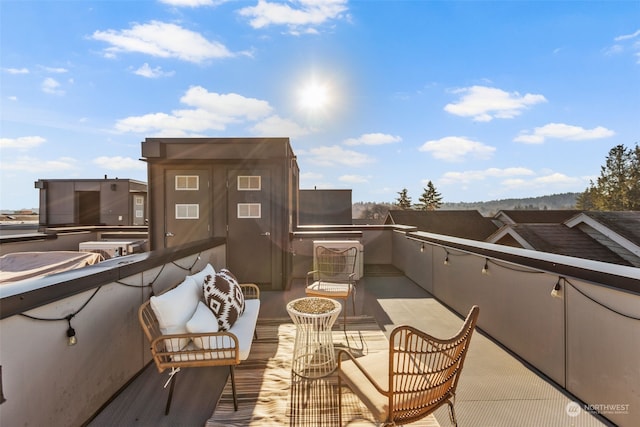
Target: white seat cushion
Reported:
point(243, 329)
point(329, 289)
point(203, 321)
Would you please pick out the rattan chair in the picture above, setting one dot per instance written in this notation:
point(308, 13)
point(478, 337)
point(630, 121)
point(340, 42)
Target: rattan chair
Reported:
point(333, 276)
point(223, 348)
point(418, 374)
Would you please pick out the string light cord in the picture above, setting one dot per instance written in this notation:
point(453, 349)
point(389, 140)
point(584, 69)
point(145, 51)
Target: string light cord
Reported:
point(67, 317)
point(188, 268)
point(508, 267)
point(599, 303)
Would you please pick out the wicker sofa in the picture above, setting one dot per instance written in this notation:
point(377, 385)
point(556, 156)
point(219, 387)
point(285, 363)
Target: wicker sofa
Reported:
point(184, 333)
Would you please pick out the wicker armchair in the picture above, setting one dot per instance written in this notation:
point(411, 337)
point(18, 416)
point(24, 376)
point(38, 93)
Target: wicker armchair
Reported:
point(334, 276)
point(221, 348)
point(415, 377)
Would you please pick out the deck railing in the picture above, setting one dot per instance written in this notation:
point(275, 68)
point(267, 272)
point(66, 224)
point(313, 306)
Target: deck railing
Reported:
point(586, 338)
point(46, 381)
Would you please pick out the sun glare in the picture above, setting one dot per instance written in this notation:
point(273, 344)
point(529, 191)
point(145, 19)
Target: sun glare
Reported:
point(314, 96)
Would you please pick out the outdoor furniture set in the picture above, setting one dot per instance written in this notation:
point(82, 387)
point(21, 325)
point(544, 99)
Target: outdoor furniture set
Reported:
point(416, 375)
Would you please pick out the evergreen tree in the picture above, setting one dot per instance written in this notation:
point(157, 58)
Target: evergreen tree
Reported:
point(403, 201)
point(618, 186)
point(430, 199)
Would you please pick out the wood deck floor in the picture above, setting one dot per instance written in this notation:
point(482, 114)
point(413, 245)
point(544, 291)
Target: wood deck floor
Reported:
point(495, 389)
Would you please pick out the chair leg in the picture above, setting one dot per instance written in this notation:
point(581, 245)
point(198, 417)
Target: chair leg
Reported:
point(339, 401)
point(344, 317)
point(452, 413)
point(233, 387)
point(167, 407)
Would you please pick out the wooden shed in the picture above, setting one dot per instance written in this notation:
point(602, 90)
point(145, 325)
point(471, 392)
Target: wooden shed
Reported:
point(242, 189)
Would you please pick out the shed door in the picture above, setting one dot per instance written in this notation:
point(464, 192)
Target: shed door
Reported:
point(188, 207)
point(250, 226)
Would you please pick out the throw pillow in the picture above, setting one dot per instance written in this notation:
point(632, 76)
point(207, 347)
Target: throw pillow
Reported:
point(203, 321)
point(199, 277)
point(174, 308)
point(224, 297)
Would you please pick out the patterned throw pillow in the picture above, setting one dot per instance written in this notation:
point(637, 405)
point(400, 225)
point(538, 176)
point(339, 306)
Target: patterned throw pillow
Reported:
point(224, 297)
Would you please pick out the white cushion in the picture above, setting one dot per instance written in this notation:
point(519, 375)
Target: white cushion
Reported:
point(174, 308)
point(200, 276)
point(243, 329)
point(203, 321)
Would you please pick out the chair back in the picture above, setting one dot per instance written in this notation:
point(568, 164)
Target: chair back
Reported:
point(148, 321)
point(335, 265)
point(424, 370)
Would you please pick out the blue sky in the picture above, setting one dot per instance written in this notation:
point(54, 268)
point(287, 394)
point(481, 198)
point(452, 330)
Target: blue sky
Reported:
point(488, 100)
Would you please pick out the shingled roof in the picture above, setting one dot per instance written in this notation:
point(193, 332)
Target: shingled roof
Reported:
point(624, 223)
point(530, 216)
point(558, 239)
point(466, 224)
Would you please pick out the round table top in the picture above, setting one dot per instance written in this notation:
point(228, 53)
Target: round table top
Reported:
point(314, 306)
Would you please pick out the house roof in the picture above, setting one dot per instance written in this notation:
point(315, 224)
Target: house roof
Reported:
point(558, 239)
point(624, 223)
point(531, 216)
point(466, 224)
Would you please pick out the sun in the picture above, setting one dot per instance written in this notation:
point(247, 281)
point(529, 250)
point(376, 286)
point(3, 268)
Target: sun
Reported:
point(314, 96)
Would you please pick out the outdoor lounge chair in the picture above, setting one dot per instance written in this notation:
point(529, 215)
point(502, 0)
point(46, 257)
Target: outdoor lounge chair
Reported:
point(418, 374)
point(204, 349)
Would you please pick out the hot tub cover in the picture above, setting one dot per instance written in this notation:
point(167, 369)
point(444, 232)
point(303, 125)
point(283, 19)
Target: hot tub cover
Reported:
point(25, 265)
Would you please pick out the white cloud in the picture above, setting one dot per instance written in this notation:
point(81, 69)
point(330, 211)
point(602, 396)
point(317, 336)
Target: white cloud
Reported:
point(56, 70)
point(300, 16)
point(467, 177)
point(311, 175)
point(456, 148)
point(16, 70)
point(484, 103)
point(212, 111)
point(552, 182)
point(119, 163)
point(146, 71)
point(354, 179)
point(626, 42)
point(163, 40)
point(628, 36)
point(51, 86)
point(373, 139)
point(23, 142)
point(12, 98)
point(335, 155)
point(562, 131)
point(277, 126)
point(31, 164)
point(226, 105)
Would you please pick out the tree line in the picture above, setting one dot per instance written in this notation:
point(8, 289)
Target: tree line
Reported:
point(616, 189)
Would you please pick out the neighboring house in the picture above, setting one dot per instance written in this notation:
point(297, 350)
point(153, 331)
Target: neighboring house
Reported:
point(612, 237)
point(618, 231)
point(465, 224)
point(527, 216)
point(108, 201)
